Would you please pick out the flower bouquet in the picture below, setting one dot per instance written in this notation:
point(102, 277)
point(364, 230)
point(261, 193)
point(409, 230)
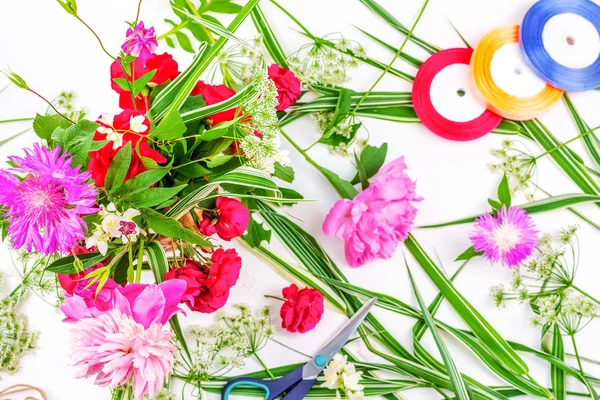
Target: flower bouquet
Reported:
point(128, 220)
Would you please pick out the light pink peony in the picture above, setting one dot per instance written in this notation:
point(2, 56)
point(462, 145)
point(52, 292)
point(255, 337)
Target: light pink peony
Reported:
point(378, 218)
point(115, 348)
point(146, 304)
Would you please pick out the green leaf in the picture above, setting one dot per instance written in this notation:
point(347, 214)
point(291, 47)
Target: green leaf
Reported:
point(284, 172)
point(535, 207)
point(468, 254)
point(193, 170)
point(118, 168)
point(480, 327)
point(70, 6)
point(496, 205)
point(153, 196)
point(504, 192)
point(557, 375)
point(66, 265)
point(142, 181)
point(140, 83)
point(341, 111)
point(170, 127)
point(460, 388)
point(171, 228)
point(344, 188)
point(218, 160)
point(123, 83)
point(184, 42)
point(16, 79)
point(45, 125)
point(192, 103)
point(257, 233)
point(98, 144)
point(224, 7)
point(362, 174)
point(76, 140)
point(372, 159)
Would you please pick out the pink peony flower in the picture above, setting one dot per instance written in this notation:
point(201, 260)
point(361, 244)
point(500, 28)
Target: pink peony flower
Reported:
point(146, 304)
point(378, 218)
point(115, 348)
point(510, 236)
point(140, 42)
point(287, 84)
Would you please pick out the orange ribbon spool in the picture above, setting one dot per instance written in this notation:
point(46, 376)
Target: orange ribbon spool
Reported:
point(485, 67)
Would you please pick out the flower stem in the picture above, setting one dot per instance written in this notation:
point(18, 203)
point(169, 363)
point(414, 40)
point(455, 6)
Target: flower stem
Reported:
point(175, 29)
point(267, 370)
point(96, 35)
point(51, 105)
point(138, 275)
point(130, 277)
point(7, 121)
point(577, 354)
point(268, 296)
point(563, 144)
point(586, 294)
point(299, 149)
point(389, 66)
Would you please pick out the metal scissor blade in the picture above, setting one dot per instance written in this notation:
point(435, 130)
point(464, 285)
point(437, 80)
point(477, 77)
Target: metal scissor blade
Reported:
point(313, 368)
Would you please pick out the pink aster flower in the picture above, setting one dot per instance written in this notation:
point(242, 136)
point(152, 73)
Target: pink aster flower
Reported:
point(140, 42)
point(378, 218)
point(115, 348)
point(44, 205)
point(510, 236)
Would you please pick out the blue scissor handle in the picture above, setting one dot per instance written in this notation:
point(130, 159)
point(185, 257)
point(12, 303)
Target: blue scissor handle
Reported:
point(274, 388)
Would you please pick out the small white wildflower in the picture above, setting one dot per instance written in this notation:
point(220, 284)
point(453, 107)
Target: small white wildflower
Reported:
point(137, 125)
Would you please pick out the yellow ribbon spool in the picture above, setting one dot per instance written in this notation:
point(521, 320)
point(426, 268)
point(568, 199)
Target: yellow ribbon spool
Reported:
point(510, 106)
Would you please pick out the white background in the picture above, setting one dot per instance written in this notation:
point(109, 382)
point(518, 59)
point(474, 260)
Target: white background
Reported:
point(52, 51)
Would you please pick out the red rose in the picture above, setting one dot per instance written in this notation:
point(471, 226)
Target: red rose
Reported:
point(208, 289)
point(302, 310)
point(166, 69)
point(213, 94)
point(100, 160)
point(224, 271)
point(288, 86)
point(229, 219)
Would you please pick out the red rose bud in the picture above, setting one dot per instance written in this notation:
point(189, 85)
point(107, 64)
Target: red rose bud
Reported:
point(232, 219)
point(288, 86)
point(213, 94)
point(303, 309)
point(208, 289)
point(128, 126)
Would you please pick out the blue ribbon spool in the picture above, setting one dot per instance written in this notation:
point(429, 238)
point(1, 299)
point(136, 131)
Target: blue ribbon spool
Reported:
point(563, 15)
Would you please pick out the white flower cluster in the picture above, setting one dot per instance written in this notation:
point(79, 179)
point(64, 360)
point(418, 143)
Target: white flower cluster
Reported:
point(518, 164)
point(569, 309)
point(326, 61)
point(115, 225)
point(264, 151)
point(240, 61)
point(226, 344)
point(65, 103)
point(346, 129)
point(15, 339)
point(165, 394)
point(341, 376)
point(136, 125)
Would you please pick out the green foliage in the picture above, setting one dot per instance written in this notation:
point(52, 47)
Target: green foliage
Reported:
point(344, 188)
point(170, 127)
point(141, 181)
point(257, 233)
point(153, 196)
point(171, 228)
point(504, 192)
point(74, 264)
point(468, 254)
point(45, 125)
point(341, 111)
point(284, 172)
point(118, 168)
point(371, 159)
point(69, 6)
point(76, 140)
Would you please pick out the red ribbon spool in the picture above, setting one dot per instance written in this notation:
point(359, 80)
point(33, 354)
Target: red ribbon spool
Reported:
point(427, 113)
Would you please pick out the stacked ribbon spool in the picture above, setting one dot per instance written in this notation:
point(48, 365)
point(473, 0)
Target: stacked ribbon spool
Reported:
point(515, 72)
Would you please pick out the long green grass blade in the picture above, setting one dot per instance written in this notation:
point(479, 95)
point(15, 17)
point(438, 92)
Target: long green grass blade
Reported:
point(592, 143)
point(480, 327)
point(557, 375)
point(460, 388)
point(269, 39)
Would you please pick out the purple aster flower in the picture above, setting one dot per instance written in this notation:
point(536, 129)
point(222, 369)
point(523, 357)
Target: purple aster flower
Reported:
point(510, 236)
point(140, 42)
point(44, 205)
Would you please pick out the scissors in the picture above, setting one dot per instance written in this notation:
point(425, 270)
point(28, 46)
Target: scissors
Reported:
point(296, 384)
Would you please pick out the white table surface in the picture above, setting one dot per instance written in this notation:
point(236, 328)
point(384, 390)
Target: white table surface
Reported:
point(53, 52)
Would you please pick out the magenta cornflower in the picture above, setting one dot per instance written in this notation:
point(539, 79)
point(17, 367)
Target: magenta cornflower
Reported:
point(510, 237)
point(44, 205)
point(140, 42)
